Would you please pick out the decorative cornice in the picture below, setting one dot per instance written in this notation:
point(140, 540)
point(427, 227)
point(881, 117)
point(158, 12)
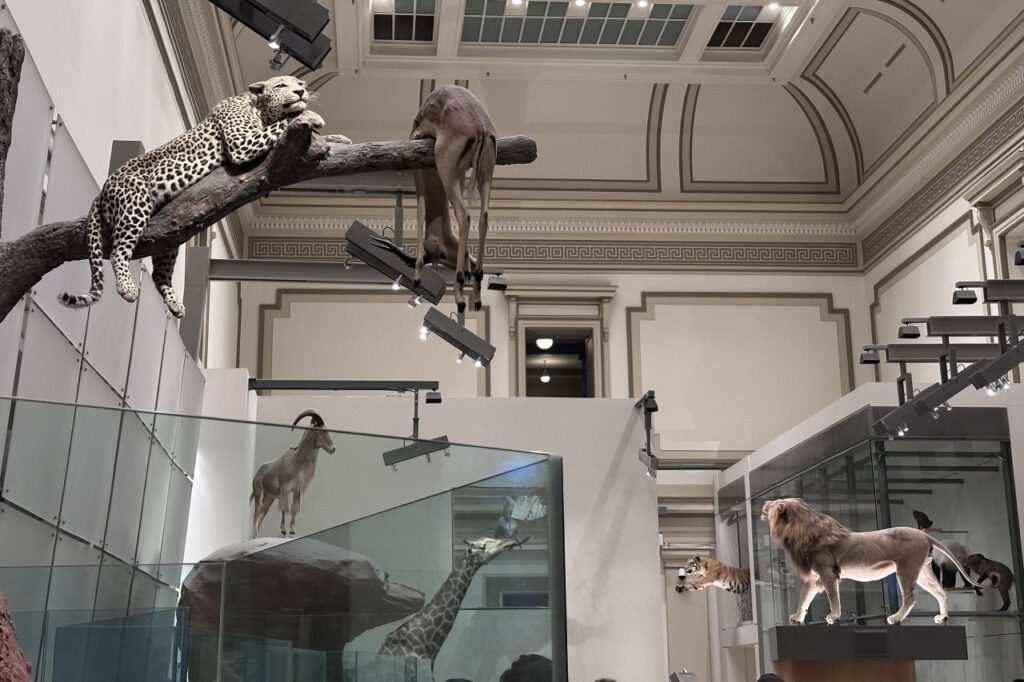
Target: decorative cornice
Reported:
point(980, 116)
point(573, 226)
point(910, 216)
point(630, 255)
point(203, 39)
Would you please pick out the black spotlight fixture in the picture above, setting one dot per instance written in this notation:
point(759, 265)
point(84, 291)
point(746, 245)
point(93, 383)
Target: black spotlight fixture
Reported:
point(870, 357)
point(1018, 256)
point(909, 331)
point(433, 397)
point(391, 261)
point(465, 341)
point(965, 297)
point(497, 283)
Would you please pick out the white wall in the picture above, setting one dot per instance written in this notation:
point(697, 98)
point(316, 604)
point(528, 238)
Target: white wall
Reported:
point(103, 69)
point(615, 590)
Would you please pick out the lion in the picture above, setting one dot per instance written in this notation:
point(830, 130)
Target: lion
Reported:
point(824, 551)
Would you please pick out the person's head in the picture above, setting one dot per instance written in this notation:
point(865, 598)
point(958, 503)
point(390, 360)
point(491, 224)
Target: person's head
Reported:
point(770, 677)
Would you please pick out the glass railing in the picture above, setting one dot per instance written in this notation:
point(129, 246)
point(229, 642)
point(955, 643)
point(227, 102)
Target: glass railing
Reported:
point(93, 517)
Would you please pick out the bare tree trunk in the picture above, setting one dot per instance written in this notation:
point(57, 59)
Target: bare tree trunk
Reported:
point(300, 154)
point(14, 667)
point(12, 54)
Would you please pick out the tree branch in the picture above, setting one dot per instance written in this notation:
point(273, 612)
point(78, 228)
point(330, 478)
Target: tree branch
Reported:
point(299, 155)
point(12, 54)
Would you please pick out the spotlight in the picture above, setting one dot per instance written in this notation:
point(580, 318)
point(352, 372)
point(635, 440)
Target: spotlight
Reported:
point(580, 3)
point(391, 261)
point(277, 62)
point(991, 389)
point(545, 377)
point(497, 283)
point(458, 336)
point(433, 397)
point(415, 301)
point(424, 333)
point(462, 356)
point(545, 343)
point(870, 357)
point(275, 40)
point(397, 284)
point(641, 3)
point(964, 297)
point(909, 331)
point(774, 6)
point(1004, 383)
point(517, 2)
point(477, 363)
point(902, 430)
point(1018, 256)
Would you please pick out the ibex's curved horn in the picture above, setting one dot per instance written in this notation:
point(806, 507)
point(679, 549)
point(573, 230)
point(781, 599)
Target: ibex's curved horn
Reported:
point(314, 418)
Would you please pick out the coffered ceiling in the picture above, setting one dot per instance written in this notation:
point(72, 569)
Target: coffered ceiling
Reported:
point(801, 121)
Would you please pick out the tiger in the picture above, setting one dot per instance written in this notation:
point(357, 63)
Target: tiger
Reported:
point(713, 573)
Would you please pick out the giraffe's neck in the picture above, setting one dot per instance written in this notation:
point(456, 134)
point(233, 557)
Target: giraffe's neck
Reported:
point(438, 616)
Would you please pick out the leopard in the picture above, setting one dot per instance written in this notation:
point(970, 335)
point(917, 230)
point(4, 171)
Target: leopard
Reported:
point(238, 130)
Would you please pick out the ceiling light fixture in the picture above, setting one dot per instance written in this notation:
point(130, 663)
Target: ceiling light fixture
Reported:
point(545, 343)
point(909, 331)
point(545, 377)
point(964, 297)
point(517, 2)
point(641, 3)
point(277, 62)
point(580, 3)
point(773, 6)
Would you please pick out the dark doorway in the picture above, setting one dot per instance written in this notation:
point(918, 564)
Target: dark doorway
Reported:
point(564, 367)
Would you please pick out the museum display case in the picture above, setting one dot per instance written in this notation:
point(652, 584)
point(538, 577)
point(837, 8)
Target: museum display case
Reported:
point(375, 544)
point(952, 478)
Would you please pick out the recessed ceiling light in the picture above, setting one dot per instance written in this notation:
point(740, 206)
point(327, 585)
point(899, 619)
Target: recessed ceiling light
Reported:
point(641, 3)
point(580, 3)
point(773, 6)
point(517, 2)
point(545, 344)
point(545, 377)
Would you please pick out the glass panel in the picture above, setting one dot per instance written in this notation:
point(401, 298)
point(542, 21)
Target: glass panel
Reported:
point(557, 9)
point(382, 26)
point(731, 12)
point(108, 340)
point(598, 9)
point(510, 32)
point(476, 7)
point(552, 29)
point(737, 35)
point(631, 32)
point(531, 30)
point(129, 483)
point(424, 6)
point(749, 13)
point(492, 30)
point(169, 390)
point(38, 456)
point(147, 348)
point(75, 573)
point(591, 31)
point(610, 34)
point(571, 32)
point(536, 9)
point(660, 11)
point(495, 8)
point(179, 495)
point(403, 27)
point(619, 10)
point(154, 504)
point(671, 34)
point(90, 472)
point(10, 341)
point(424, 28)
point(681, 11)
point(651, 32)
point(403, 6)
point(471, 29)
point(49, 362)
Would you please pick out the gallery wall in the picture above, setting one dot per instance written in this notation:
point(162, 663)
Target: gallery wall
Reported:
point(83, 483)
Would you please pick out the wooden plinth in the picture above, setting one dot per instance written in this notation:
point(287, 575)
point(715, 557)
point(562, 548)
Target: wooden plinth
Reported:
point(845, 671)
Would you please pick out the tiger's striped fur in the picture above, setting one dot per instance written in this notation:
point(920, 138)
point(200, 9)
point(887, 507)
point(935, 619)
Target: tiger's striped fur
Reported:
point(712, 573)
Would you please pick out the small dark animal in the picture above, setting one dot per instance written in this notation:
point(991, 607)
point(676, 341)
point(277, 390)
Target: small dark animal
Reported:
point(923, 522)
point(987, 569)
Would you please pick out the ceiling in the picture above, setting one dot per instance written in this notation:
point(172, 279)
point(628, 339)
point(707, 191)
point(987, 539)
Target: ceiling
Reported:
point(698, 116)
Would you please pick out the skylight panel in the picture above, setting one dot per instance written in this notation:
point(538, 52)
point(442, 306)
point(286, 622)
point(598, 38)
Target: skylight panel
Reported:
point(744, 27)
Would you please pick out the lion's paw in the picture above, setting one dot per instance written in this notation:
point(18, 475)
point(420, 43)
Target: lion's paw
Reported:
point(832, 618)
point(796, 619)
point(940, 619)
point(892, 620)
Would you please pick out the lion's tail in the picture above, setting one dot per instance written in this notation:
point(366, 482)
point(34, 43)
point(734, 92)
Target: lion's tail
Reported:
point(949, 555)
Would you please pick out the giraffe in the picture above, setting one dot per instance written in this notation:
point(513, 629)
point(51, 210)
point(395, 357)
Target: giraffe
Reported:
point(422, 635)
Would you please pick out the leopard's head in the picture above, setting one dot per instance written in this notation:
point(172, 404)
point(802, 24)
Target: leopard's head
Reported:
point(280, 97)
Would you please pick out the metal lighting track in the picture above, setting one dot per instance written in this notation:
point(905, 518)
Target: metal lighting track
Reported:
point(963, 325)
point(340, 385)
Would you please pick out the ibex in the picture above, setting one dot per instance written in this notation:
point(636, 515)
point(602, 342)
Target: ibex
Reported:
point(289, 474)
point(464, 138)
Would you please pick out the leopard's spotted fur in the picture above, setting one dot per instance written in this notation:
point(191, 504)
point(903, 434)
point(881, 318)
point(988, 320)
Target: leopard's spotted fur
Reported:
point(238, 130)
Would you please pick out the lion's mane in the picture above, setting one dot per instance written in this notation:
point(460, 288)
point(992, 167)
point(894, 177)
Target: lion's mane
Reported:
point(802, 530)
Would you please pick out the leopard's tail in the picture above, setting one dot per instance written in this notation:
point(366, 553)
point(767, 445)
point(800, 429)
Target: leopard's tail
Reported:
point(94, 239)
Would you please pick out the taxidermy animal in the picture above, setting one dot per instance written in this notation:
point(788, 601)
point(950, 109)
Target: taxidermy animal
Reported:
point(923, 522)
point(422, 635)
point(712, 573)
point(464, 138)
point(824, 551)
point(238, 130)
point(1000, 575)
point(944, 569)
point(506, 527)
point(290, 474)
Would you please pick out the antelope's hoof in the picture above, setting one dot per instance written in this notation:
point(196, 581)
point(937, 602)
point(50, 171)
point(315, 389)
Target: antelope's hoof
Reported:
point(477, 305)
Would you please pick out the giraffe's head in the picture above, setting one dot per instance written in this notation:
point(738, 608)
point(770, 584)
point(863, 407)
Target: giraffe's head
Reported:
point(483, 550)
